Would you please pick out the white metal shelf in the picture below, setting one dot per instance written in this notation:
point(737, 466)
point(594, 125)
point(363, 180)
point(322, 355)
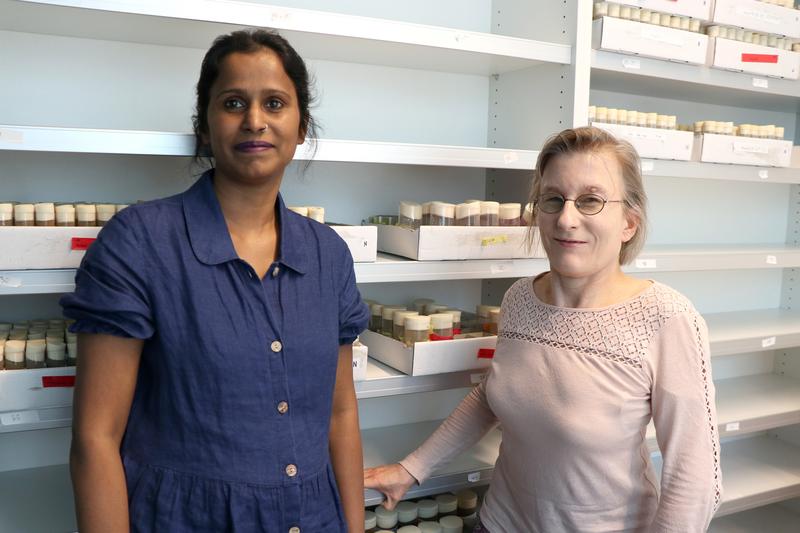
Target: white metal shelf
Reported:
point(633, 74)
point(390, 268)
point(716, 171)
point(753, 331)
point(391, 444)
point(102, 141)
point(315, 34)
point(37, 500)
point(36, 281)
point(695, 257)
point(383, 380)
point(771, 518)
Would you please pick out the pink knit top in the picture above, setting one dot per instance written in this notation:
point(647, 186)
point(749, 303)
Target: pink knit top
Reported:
point(573, 391)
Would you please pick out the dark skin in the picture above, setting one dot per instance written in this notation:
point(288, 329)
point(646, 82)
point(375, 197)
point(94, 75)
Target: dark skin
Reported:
point(254, 127)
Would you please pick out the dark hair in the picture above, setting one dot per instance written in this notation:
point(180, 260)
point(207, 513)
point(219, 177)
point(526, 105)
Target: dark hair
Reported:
point(249, 41)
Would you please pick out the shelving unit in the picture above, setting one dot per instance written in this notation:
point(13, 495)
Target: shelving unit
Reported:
point(772, 518)
point(421, 110)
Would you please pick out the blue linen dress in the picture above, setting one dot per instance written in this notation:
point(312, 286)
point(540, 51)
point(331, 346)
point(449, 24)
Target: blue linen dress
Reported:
point(228, 430)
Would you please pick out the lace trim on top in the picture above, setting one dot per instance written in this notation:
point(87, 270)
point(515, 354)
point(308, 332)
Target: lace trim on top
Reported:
point(620, 333)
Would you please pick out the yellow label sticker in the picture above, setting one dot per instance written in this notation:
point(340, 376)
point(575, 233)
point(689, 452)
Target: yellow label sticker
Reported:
point(497, 239)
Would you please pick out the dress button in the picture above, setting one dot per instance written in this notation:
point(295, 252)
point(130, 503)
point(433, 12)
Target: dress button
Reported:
point(291, 470)
point(276, 346)
point(294, 529)
point(249, 273)
point(276, 271)
point(283, 407)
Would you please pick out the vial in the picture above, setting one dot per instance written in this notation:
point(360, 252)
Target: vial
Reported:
point(600, 9)
point(409, 529)
point(375, 317)
point(613, 10)
point(636, 14)
point(432, 309)
point(455, 316)
point(23, 215)
point(645, 15)
point(386, 519)
point(399, 323)
point(482, 312)
point(528, 219)
point(672, 122)
point(316, 213)
point(602, 114)
point(652, 120)
point(120, 207)
point(34, 353)
point(712, 31)
point(612, 115)
point(633, 118)
point(662, 121)
point(666, 20)
point(14, 354)
point(686, 23)
point(675, 23)
point(448, 505)
point(86, 215)
point(426, 213)
point(625, 12)
point(494, 320)
point(6, 214)
point(452, 524)
point(510, 214)
point(655, 18)
point(622, 116)
point(641, 118)
point(302, 211)
point(443, 214)
point(72, 353)
point(441, 326)
point(430, 527)
point(490, 213)
point(407, 514)
point(387, 324)
point(56, 354)
point(427, 510)
point(104, 213)
point(410, 214)
point(65, 215)
point(420, 304)
point(468, 214)
point(370, 522)
point(779, 132)
point(416, 328)
point(763, 40)
point(2, 351)
point(467, 504)
point(45, 213)
point(592, 113)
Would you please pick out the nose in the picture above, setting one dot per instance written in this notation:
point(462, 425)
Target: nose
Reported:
point(255, 119)
point(569, 215)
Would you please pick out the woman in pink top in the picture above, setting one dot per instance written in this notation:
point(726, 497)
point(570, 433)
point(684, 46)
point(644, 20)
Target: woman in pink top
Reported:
point(586, 356)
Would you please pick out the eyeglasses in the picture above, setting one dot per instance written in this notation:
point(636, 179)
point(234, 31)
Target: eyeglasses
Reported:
point(587, 204)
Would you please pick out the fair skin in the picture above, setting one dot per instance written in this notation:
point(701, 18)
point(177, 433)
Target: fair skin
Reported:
point(583, 251)
point(253, 129)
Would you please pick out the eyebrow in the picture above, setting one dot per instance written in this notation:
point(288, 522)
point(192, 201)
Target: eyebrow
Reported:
point(237, 90)
point(588, 188)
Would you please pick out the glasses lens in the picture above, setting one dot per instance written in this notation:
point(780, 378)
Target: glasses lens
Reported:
point(589, 204)
point(551, 203)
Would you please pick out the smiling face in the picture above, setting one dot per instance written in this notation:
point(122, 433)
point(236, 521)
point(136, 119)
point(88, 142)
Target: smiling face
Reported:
point(578, 245)
point(254, 123)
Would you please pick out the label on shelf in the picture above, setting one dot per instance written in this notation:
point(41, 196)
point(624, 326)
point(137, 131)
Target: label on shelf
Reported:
point(9, 281)
point(769, 341)
point(498, 268)
point(486, 353)
point(19, 417)
point(57, 381)
point(732, 426)
point(759, 58)
point(761, 83)
point(646, 263)
point(11, 136)
point(476, 378)
point(510, 157)
point(474, 477)
point(763, 174)
point(81, 243)
point(772, 260)
point(648, 166)
point(633, 64)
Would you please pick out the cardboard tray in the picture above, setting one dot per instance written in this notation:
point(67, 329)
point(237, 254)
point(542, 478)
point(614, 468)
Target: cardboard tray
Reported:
point(758, 16)
point(653, 143)
point(362, 241)
point(437, 243)
point(713, 148)
point(648, 40)
point(754, 59)
point(427, 358)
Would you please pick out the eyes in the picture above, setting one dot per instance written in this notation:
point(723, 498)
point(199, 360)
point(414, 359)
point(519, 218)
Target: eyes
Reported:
point(235, 103)
point(588, 204)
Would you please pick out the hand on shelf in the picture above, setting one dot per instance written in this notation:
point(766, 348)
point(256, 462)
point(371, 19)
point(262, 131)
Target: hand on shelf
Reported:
point(393, 481)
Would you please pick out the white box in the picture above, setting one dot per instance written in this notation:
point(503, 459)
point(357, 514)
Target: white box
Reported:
point(754, 58)
point(437, 243)
point(758, 16)
point(713, 148)
point(698, 9)
point(362, 241)
point(654, 143)
point(436, 357)
point(31, 247)
point(649, 40)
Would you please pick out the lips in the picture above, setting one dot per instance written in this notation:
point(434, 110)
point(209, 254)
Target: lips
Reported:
point(253, 146)
point(569, 242)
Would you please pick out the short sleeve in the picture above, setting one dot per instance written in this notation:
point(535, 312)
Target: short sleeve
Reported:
point(353, 312)
point(110, 291)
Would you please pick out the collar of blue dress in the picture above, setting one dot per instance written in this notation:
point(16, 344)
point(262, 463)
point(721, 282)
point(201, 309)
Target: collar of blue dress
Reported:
point(211, 241)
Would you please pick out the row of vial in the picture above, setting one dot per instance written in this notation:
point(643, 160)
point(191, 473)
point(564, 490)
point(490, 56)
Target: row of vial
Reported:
point(610, 115)
point(638, 14)
point(52, 214)
point(313, 212)
point(769, 131)
point(469, 213)
point(431, 321)
point(444, 513)
point(753, 37)
point(38, 344)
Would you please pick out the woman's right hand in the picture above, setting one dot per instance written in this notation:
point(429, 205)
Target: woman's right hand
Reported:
point(391, 480)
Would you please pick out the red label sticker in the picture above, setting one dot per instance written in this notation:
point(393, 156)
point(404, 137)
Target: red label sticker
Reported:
point(81, 243)
point(456, 331)
point(759, 58)
point(58, 381)
point(486, 353)
point(435, 337)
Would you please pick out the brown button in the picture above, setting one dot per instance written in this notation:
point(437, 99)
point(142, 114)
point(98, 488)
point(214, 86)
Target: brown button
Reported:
point(283, 407)
point(291, 470)
point(294, 529)
point(276, 346)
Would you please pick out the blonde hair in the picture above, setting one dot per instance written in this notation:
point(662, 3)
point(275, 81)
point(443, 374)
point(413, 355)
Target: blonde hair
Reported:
point(589, 139)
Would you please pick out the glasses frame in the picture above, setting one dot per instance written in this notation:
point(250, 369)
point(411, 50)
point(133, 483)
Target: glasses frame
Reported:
point(537, 204)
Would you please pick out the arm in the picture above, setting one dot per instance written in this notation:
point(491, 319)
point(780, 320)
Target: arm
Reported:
point(466, 425)
point(345, 442)
point(686, 426)
point(100, 414)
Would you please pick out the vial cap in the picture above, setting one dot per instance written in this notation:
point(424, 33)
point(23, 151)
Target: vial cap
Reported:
point(441, 321)
point(411, 210)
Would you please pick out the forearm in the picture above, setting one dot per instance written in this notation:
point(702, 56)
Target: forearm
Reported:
point(98, 479)
point(348, 464)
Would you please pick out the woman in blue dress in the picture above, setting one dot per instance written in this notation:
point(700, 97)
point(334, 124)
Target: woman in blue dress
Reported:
point(214, 388)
